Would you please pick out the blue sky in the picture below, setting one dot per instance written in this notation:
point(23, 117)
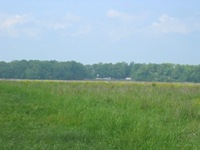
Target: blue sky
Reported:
point(91, 31)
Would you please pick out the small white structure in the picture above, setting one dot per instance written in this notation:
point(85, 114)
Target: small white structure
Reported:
point(128, 78)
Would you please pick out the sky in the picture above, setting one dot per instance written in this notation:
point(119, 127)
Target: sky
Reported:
point(107, 31)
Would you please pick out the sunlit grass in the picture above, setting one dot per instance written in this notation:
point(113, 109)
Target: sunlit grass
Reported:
point(99, 115)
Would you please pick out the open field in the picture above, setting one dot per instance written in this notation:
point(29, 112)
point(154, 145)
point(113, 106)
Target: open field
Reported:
point(99, 115)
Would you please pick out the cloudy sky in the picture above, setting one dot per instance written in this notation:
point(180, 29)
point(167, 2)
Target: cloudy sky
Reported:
point(93, 31)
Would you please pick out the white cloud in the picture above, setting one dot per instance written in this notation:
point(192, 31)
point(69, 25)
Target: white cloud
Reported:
point(116, 14)
point(130, 24)
point(10, 24)
point(26, 25)
point(19, 25)
point(68, 20)
point(8, 21)
point(167, 24)
point(58, 26)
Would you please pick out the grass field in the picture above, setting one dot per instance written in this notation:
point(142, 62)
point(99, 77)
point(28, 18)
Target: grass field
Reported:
point(50, 115)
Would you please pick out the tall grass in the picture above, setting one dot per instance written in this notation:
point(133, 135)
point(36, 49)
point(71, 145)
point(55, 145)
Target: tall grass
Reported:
point(99, 115)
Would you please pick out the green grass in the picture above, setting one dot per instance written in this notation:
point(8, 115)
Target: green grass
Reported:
point(99, 115)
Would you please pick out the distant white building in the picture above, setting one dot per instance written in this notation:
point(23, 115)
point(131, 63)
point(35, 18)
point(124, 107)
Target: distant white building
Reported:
point(128, 78)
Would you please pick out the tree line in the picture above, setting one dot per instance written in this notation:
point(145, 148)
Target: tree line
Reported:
point(72, 70)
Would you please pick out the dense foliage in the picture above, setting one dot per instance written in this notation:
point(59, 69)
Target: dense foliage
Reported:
point(71, 70)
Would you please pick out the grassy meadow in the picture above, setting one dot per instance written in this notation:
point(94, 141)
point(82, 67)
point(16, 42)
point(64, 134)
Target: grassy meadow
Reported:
point(49, 115)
